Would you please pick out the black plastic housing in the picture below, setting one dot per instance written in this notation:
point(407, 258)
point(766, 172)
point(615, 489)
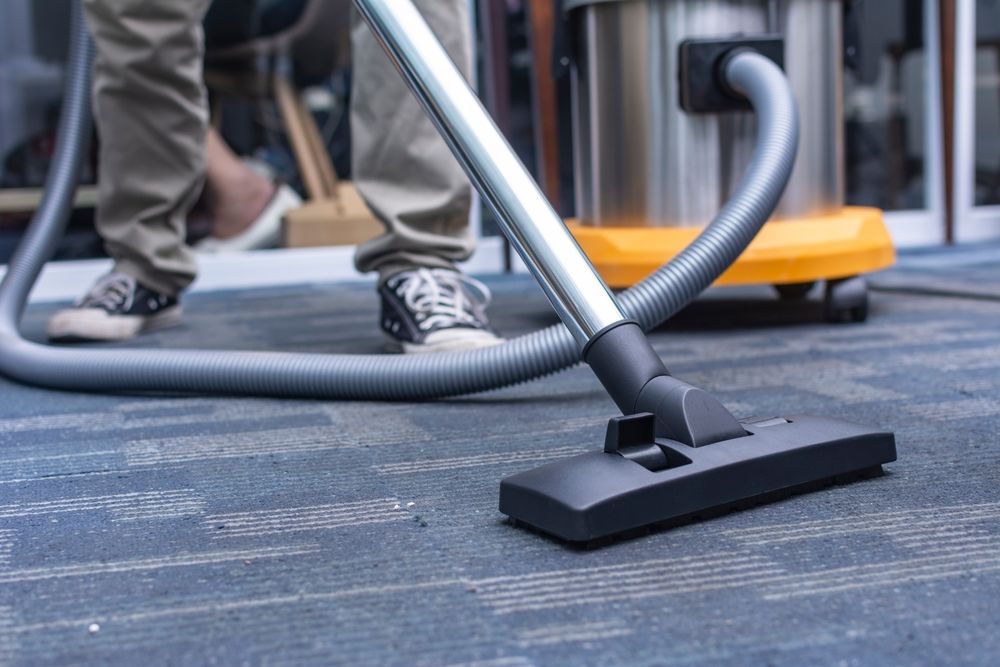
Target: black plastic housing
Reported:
point(624, 361)
point(636, 379)
point(600, 493)
point(703, 87)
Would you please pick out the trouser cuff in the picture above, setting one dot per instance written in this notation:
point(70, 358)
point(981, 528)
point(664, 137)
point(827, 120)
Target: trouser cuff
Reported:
point(165, 283)
point(388, 269)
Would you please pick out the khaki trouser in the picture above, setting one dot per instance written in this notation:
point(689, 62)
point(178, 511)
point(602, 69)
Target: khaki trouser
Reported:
point(151, 113)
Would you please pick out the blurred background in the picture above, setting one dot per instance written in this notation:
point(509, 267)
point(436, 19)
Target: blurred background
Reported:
point(921, 101)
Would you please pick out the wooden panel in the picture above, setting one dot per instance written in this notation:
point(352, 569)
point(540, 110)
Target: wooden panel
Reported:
point(25, 200)
point(542, 18)
point(288, 105)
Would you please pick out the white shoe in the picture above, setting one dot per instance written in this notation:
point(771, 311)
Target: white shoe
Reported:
point(264, 232)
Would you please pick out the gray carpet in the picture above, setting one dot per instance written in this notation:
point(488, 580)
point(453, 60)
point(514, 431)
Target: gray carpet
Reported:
point(206, 530)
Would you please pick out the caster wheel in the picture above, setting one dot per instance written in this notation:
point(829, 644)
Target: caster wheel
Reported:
point(793, 291)
point(846, 300)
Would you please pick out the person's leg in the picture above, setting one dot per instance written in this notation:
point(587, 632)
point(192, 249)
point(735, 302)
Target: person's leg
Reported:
point(411, 181)
point(401, 165)
point(151, 113)
point(235, 194)
point(245, 206)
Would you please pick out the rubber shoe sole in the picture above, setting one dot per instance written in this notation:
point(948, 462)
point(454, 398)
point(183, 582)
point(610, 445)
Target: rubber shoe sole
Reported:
point(95, 324)
point(446, 340)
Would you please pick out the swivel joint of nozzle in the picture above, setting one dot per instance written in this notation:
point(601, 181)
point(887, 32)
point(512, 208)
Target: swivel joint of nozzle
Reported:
point(637, 380)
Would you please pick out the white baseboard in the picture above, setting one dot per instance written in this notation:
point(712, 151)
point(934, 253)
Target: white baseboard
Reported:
point(64, 281)
point(914, 229)
point(981, 223)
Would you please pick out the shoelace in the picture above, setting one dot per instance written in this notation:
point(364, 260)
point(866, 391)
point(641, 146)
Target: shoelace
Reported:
point(111, 292)
point(437, 296)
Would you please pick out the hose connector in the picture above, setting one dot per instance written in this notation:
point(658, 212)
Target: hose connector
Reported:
point(705, 88)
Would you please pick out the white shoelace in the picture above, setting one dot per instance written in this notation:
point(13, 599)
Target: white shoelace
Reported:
point(111, 292)
point(437, 298)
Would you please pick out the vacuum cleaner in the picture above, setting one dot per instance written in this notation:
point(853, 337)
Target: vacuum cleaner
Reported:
point(652, 163)
point(675, 451)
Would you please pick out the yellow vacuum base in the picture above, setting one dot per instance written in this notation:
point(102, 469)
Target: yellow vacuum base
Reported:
point(849, 243)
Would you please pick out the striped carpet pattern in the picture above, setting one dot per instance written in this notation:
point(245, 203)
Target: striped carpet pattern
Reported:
point(211, 530)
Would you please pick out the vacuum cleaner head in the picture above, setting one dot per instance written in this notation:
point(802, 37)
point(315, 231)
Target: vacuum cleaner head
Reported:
point(640, 480)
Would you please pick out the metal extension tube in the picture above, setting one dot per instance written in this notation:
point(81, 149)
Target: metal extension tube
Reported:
point(581, 299)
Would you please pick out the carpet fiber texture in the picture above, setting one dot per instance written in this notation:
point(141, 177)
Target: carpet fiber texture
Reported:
point(213, 530)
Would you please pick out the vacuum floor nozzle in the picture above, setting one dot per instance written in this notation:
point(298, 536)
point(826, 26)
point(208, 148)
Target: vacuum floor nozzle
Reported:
point(641, 481)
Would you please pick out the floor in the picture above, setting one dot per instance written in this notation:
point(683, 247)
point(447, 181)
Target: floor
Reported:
point(211, 530)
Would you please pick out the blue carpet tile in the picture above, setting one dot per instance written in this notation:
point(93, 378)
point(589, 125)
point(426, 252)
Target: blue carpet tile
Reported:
point(138, 529)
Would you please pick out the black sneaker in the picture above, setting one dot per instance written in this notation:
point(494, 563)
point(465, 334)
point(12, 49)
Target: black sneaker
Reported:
point(433, 310)
point(117, 307)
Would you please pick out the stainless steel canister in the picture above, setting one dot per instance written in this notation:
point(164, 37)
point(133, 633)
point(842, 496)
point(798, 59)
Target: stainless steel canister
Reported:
point(643, 161)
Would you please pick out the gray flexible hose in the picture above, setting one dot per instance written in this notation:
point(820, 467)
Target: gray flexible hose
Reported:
point(377, 377)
